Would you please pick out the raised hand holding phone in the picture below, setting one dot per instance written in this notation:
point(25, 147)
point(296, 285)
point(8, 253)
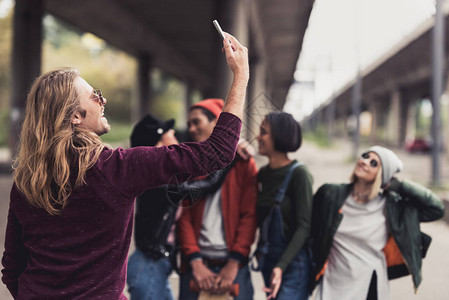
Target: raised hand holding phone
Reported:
point(236, 56)
point(237, 60)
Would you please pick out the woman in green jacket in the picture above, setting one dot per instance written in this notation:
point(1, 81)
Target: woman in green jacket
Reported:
point(367, 232)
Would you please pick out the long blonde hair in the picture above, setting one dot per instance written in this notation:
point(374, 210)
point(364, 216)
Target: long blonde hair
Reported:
point(50, 145)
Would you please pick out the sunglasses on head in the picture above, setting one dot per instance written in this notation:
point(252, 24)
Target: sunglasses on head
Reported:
point(99, 97)
point(373, 163)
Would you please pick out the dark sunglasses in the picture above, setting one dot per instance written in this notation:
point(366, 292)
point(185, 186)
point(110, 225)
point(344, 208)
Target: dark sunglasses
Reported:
point(373, 163)
point(99, 97)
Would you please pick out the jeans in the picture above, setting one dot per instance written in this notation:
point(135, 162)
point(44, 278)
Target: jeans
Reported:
point(295, 279)
point(147, 278)
point(243, 278)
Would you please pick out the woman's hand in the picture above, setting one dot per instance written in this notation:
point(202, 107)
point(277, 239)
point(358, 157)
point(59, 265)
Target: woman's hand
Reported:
point(276, 280)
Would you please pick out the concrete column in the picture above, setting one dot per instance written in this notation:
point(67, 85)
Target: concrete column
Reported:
point(403, 120)
point(249, 130)
point(392, 128)
point(257, 104)
point(26, 60)
point(356, 100)
point(181, 123)
point(408, 112)
point(438, 70)
point(330, 120)
point(411, 119)
point(144, 90)
point(373, 108)
point(445, 124)
point(188, 100)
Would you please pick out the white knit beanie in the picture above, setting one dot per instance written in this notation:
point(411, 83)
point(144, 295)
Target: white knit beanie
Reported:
point(391, 164)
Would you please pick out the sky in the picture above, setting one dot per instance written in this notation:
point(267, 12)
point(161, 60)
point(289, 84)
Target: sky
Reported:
point(345, 35)
point(5, 5)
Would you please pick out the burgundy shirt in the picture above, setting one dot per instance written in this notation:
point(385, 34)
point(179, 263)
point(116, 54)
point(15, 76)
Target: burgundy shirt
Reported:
point(81, 254)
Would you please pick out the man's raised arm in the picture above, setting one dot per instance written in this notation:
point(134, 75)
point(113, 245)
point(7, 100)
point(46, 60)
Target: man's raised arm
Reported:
point(237, 59)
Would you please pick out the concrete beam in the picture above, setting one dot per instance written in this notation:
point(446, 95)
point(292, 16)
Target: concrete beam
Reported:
point(129, 35)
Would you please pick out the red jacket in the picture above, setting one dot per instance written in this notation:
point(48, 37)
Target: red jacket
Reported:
point(239, 195)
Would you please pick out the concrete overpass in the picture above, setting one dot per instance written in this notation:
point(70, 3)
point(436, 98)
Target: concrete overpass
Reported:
point(391, 86)
point(176, 36)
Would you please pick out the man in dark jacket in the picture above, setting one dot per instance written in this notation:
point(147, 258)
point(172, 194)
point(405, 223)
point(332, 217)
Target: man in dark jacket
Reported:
point(150, 265)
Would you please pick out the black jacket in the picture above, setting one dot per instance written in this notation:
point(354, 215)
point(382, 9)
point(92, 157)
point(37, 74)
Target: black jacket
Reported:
point(156, 210)
point(407, 205)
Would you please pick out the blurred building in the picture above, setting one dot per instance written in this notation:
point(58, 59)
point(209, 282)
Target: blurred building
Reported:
point(396, 90)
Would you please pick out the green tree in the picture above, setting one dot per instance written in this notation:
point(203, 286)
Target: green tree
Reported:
point(5, 54)
point(103, 66)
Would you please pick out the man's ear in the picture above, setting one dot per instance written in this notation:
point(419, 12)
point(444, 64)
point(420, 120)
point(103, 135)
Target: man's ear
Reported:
point(76, 118)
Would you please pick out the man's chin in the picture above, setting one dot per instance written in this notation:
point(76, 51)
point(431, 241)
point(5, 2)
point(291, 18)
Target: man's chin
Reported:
point(105, 130)
point(106, 125)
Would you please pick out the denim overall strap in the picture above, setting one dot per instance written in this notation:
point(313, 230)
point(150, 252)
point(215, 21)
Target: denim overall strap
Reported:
point(272, 224)
point(278, 200)
point(281, 193)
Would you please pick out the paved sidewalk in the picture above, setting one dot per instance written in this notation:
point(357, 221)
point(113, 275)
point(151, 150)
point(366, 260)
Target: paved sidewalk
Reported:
point(333, 165)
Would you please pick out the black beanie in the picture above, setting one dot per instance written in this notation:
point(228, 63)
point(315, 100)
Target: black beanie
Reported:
point(149, 130)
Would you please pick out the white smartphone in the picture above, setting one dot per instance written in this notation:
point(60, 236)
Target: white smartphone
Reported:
point(220, 32)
